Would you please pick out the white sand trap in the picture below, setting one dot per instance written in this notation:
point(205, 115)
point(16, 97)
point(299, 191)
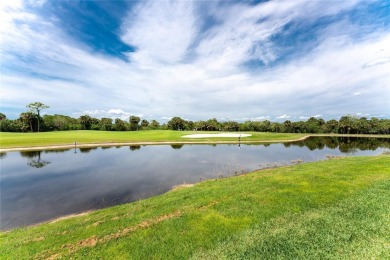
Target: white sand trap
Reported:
point(216, 135)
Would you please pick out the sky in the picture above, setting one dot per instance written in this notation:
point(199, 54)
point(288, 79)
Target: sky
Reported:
point(231, 60)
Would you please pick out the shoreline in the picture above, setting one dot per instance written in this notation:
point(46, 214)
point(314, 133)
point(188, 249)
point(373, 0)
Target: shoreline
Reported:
point(109, 144)
point(198, 141)
point(173, 188)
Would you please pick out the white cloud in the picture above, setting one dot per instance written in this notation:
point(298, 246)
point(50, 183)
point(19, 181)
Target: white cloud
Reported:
point(307, 117)
point(162, 79)
point(260, 118)
point(362, 114)
point(161, 30)
point(116, 111)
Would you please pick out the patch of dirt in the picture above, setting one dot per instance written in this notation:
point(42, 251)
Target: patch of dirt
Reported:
point(182, 186)
point(93, 241)
point(89, 242)
point(97, 223)
point(69, 216)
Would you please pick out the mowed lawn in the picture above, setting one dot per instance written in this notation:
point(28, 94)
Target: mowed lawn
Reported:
point(12, 140)
point(333, 209)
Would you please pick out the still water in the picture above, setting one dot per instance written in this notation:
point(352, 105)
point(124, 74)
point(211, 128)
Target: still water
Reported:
point(38, 186)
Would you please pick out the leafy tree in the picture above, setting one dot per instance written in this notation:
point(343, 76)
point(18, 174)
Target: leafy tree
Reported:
point(347, 124)
point(57, 122)
point(86, 122)
point(332, 126)
point(288, 126)
point(313, 125)
point(374, 125)
point(106, 124)
point(176, 123)
point(200, 125)
point(265, 126)
point(154, 124)
point(213, 125)
point(298, 127)
point(2, 116)
point(37, 107)
point(144, 123)
point(27, 118)
point(134, 120)
point(363, 125)
point(384, 126)
point(7, 125)
point(120, 125)
point(231, 126)
point(276, 127)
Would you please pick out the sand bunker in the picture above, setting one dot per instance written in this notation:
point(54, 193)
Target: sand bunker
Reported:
point(236, 135)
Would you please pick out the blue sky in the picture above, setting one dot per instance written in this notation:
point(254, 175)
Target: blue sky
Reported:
point(233, 60)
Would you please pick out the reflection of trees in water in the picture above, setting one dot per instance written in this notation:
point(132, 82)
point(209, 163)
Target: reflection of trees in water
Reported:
point(35, 159)
point(345, 144)
point(134, 147)
point(176, 146)
point(87, 149)
point(3, 155)
point(57, 151)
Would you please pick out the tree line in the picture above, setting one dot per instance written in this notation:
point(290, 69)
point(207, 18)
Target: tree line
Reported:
point(32, 121)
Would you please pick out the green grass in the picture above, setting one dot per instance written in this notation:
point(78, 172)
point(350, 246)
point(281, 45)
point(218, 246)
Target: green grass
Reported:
point(12, 140)
point(333, 209)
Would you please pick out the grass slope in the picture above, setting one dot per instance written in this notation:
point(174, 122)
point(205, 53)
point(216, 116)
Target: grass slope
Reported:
point(330, 209)
point(12, 140)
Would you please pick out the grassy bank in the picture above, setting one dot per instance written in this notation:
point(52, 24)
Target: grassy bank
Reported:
point(330, 209)
point(12, 140)
point(89, 137)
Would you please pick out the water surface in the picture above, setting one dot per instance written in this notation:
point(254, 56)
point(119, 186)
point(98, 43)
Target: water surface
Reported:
point(38, 186)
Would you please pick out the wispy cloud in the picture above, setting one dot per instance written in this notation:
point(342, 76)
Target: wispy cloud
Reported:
point(199, 60)
point(161, 31)
point(283, 117)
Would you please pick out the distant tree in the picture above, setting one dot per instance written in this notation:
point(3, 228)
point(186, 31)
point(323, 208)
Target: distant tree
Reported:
point(120, 125)
point(288, 126)
point(347, 124)
point(213, 125)
point(190, 125)
point(200, 125)
point(86, 122)
point(298, 127)
point(134, 121)
point(313, 125)
point(276, 127)
point(374, 125)
point(144, 123)
point(106, 124)
point(37, 107)
point(265, 126)
point(2, 116)
point(154, 124)
point(332, 126)
point(384, 126)
point(7, 125)
point(231, 126)
point(363, 125)
point(27, 118)
point(176, 123)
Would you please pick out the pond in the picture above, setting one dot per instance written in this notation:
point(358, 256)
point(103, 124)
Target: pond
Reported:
point(39, 186)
